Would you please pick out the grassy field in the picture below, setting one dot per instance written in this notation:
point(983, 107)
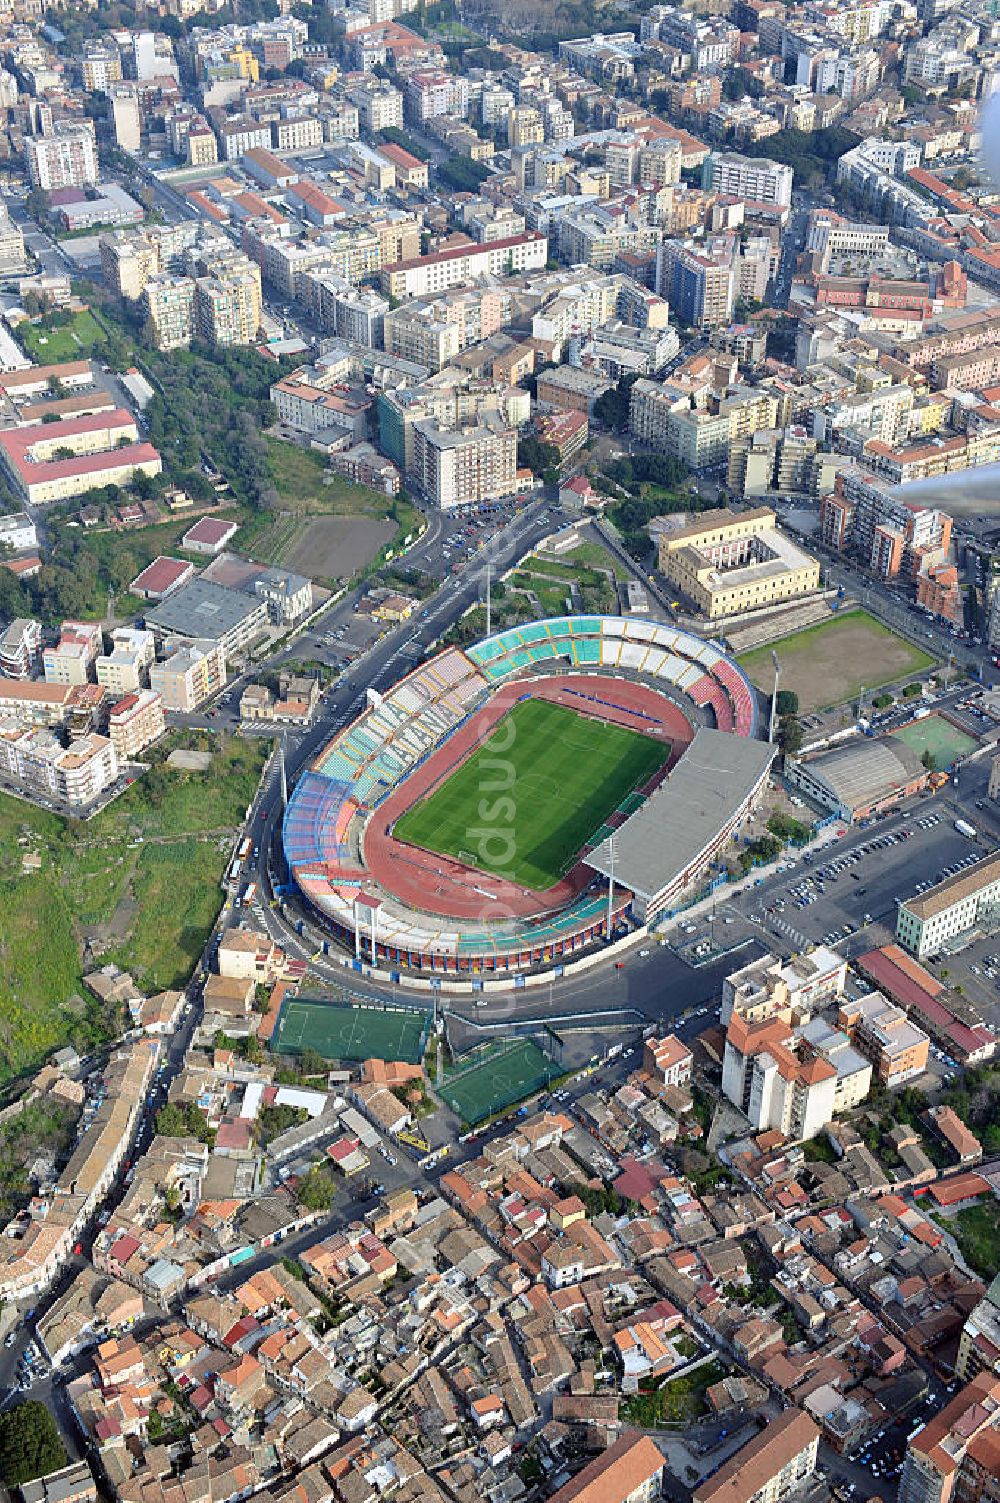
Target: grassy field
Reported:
point(126, 553)
point(139, 885)
point(560, 775)
point(828, 664)
point(49, 342)
point(977, 1231)
point(349, 1032)
point(499, 1081)
point(945, 742)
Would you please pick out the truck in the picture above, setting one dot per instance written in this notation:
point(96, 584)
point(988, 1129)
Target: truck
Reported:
point(964, 828)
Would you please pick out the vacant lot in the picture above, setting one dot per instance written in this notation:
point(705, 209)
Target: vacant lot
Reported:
point(138, 885)
point(977, 1232)
point(829, 664)
point(538, 788)
point(945, 742)
point(337, 547)
point(59, 337)
point(323, 526)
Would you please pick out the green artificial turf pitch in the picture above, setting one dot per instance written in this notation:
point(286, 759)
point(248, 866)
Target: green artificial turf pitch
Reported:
point(524, 804)
point(349, 1032)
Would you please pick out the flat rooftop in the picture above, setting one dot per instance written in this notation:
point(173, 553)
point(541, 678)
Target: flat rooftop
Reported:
point(675, 825)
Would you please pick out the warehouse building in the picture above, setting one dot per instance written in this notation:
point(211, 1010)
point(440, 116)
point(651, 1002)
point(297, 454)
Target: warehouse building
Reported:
point(860, 779)
point(202, 609)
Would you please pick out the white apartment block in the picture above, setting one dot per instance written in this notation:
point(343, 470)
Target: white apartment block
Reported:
point(75, 775)
point(464, 264)
point(464, 467)
point(753, 178)
point(125, 669)
point(65, 157)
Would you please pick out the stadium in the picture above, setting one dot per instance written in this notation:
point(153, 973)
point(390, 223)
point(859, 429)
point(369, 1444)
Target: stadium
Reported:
point(513, 804)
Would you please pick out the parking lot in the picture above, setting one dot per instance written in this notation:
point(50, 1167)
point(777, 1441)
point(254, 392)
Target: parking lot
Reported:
point(845, 893)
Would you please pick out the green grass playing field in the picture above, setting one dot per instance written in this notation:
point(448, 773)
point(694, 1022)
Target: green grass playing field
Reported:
point(529, 798)
point(945, 742)
point(349, 1032)
point(503, 1077)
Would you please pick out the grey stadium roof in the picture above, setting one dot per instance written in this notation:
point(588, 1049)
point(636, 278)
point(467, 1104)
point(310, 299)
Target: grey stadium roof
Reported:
point(202, 609)
point(865, 772)
point(676, 823)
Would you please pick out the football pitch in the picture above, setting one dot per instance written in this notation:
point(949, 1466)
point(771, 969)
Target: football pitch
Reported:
point(945, 742)
point(528, 799)
point(349, 1032)
point(503, 1077)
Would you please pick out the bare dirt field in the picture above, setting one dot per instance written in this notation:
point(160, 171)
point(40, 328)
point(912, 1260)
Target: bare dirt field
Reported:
point(831, 662)
point(337, 547)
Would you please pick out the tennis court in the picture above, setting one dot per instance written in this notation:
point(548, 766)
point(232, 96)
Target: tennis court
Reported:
point(518, 1070)
point(338, 1032)
point(933, 734)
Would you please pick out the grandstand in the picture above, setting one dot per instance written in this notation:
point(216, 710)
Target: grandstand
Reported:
point(368, 760)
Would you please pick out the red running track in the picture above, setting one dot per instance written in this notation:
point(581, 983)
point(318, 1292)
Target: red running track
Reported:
point(441, 885)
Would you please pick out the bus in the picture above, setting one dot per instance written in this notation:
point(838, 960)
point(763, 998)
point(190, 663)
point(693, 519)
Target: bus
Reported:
point(244, 850)
point(250, 893)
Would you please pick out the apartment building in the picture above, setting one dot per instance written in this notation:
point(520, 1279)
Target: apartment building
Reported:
point(979, 1344)
point(630, 1471)
point(417, 334)
point(21, 648)
point(754, 178)
point(190, 675)
point(699, 280)
point(125, 669)
point(169, 307)
point(457, 267)
point(728, 562)
point(768, 1469)
point(884, 1034)
point(432, 92)
point(135, 722)
point(863, 503)
point(793, 988)
point(464, 467)
point(952, 907)
point(72, 658)
point(227, 306)
point(64, 157)
point(936, 1454)
point(379, 105)
point(34, 702)
point(74, 776)
point(784, 1068)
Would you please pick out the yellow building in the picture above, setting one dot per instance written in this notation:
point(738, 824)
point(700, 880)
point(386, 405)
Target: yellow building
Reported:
point(730, 562)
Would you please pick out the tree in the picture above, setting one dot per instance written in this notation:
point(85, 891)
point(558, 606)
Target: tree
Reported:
point(536, 456)
point(787, 702)
point(315, 1189)
point(927, 759)
point(789, 735)
point(30, 1445)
